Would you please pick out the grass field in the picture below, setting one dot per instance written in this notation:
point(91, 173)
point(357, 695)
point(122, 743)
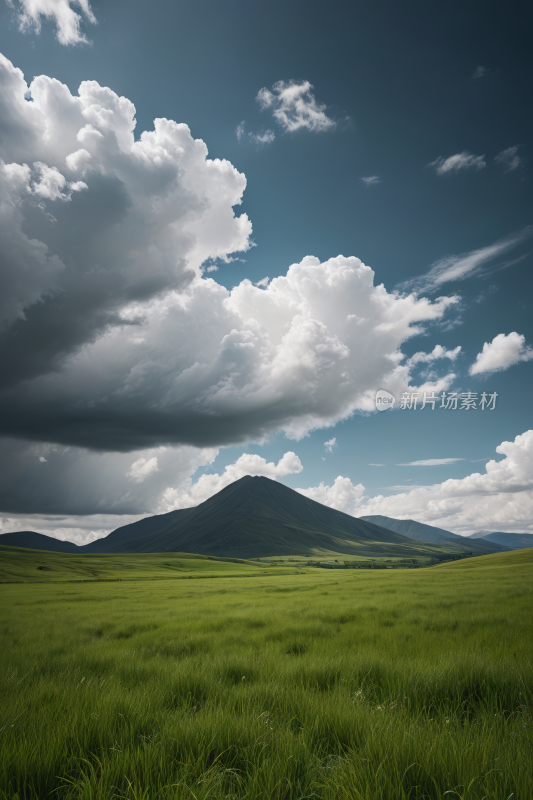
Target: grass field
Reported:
point(272, 683)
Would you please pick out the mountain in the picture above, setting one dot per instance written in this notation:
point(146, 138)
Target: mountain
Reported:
point(38, 541)
point(428, 533)
point(256, 517)
point(513, 541)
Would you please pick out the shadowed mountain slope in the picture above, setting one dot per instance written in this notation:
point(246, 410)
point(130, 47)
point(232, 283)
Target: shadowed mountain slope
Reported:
point(256, 517)
point(38, 541)
point(514, 541)
point(428, 533)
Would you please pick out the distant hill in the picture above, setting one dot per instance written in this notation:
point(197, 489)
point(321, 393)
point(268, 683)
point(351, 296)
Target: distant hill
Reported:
point(38, 541)
point(428, 533)
point(513, 541)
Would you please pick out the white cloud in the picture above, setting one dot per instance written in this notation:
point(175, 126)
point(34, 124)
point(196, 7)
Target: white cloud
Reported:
point(371, 180)
point(377, 465)
point(142, 469)
point(509, 159)
point(330, 444)
point(60, 11)
point(504, 351)
point(148, 212)
point(438, 352)
point(144, 350)
point(465, 265)
point(207, 485)
point(479, 72)
point(302, 353)
point(294, 106)
point(342, 495)
point(464, 160)
point(431, 462)
point(267, 137)
point(42, 459)
point(239, 130)
point(501, 499)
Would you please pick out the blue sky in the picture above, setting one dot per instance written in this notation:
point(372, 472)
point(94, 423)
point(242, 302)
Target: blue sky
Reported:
point(390, 133)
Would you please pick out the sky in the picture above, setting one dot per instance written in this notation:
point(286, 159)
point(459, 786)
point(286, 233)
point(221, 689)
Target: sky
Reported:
point(224, 228)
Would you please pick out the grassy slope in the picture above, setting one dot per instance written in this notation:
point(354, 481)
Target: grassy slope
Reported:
point(41, 566)
point(365, 685)
point(22, 564)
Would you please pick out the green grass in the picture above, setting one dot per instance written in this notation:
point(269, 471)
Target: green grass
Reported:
point(372, 685)
point(41, 566)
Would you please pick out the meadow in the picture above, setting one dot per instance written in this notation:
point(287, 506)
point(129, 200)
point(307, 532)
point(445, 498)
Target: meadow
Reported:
point(280, 683)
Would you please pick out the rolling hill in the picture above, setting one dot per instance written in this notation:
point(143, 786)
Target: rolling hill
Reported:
point(428, 533)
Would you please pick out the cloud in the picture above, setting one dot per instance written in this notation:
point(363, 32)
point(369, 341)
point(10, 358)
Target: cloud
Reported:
point(438, 352)
point(239, 130)
point(67, 21)
point(209, 366)
point(330, 444)
point(79, 482)
point(479, 72)
point(294, 107)
point(501, 353)
point(465, 265)
point(342, 495)
point(114, 339)
point(371, 180)
point(501, 499)
point(431, 462)
point(147, 214)
point(207, 485)
point(464, 160)
point(142, 469)
point(509, 159)
point(377, 465)
point(267, 137)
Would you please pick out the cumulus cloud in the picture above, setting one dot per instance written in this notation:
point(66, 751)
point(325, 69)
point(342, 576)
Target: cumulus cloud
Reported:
point(509, 159)
point(68, 22)
point(191, 494)
point(504, 351)
point(464, 160)
point(371, 180)
point(330, 444)
point(501, 499)
point(438, 352)
point(465, 265)
point(294, 107)
point(142, 469)
point(147, 214)
point(342, 495)
point(210, 366)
